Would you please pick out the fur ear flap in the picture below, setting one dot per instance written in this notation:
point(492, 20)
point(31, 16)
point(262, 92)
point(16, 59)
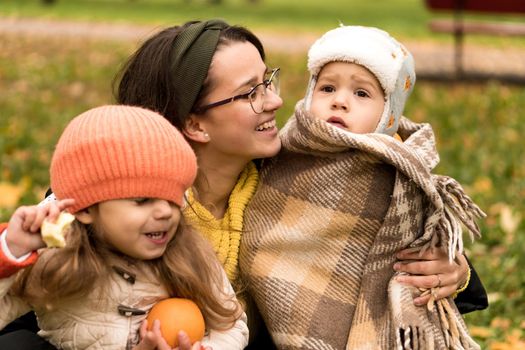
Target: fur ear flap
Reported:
point(195, 131)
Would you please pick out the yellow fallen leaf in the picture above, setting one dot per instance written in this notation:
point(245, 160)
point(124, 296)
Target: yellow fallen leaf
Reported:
point(509, 221)
point(502, 346)
point(520, 345)
point(501, 323)
point(482, 184)
point(480, 332)
point(513, 341)
point(494, 296)
point(10, 193)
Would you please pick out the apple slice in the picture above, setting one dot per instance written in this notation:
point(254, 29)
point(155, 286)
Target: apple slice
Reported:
point(53, 233)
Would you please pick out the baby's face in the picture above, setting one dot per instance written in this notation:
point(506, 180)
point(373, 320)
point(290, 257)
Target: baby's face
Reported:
point(348, 96)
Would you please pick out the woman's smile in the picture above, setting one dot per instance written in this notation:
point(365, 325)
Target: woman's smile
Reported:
point(266, 126)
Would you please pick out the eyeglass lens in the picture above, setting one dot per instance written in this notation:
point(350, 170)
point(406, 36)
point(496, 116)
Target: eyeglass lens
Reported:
point(257, 96)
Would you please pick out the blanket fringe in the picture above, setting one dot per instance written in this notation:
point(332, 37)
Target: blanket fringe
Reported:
point(411, 327)
point(438, 326)
point(456, 336)
point(413, 338)
point(459, 210)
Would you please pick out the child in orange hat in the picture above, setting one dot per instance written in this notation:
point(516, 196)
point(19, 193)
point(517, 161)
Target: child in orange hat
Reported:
point(122, 172)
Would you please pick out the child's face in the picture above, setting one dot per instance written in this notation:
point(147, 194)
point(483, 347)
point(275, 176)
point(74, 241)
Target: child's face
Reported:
point(140, 227)
point(348, 96)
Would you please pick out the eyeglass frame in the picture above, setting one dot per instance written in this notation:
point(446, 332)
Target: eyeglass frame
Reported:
point(266, 83)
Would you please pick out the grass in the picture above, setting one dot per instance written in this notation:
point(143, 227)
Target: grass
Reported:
point(406, 19)
point(292, 14)
point(45, 83)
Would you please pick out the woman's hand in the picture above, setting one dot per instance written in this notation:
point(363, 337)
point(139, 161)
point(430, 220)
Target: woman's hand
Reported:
point(153, 340)
point(432, 270)
point(23, 229)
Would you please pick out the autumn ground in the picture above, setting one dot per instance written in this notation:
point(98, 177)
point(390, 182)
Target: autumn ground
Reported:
point(431, 58)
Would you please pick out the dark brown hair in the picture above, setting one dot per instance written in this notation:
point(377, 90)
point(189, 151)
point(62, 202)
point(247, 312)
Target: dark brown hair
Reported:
point(146, 79)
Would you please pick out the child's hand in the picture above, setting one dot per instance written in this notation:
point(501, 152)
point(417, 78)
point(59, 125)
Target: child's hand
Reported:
point(23, 230)
point(185, 343)
point(153, 340)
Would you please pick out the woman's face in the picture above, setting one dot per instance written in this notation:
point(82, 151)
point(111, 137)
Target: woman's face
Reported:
point(234, 129)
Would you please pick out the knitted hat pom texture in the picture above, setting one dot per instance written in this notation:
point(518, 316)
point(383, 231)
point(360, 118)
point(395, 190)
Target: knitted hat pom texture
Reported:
point(386, 58)
point(115, 152)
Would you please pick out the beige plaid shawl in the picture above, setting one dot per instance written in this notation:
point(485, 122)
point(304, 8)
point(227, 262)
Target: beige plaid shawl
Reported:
point(321, 234)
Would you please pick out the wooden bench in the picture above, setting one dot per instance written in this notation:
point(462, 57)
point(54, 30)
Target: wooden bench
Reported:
point(458, 26)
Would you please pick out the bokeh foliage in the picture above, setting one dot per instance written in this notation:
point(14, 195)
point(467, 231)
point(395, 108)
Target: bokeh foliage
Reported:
point(406, 18)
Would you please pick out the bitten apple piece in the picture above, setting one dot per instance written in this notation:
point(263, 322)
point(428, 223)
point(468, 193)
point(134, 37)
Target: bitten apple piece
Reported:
point(53, 233)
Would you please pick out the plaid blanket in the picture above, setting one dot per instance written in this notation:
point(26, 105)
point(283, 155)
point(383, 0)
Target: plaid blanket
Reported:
point(322, 230)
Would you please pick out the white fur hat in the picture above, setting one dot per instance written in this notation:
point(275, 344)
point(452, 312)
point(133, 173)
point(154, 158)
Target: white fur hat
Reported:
point(375, 50)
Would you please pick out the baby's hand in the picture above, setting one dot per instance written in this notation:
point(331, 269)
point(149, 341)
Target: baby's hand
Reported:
point(23, 230)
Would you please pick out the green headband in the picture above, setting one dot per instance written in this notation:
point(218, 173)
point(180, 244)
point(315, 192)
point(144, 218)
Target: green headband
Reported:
point(192, 52)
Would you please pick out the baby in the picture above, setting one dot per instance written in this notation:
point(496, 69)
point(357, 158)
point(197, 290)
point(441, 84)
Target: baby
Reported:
point(361, 86)
point(351, 187)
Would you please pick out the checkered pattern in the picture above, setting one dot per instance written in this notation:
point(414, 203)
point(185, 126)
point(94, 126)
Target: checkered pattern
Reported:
point(322, 231)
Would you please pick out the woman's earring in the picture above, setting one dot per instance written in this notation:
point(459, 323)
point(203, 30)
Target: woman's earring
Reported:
point(206, 135)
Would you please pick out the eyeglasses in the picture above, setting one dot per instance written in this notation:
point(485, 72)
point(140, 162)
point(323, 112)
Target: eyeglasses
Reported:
point(256, 95)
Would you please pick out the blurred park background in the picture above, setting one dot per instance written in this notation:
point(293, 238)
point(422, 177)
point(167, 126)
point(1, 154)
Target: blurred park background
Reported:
point(49, 76)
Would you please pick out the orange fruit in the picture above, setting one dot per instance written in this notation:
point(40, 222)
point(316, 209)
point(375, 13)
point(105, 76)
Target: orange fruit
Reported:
point(176, 314)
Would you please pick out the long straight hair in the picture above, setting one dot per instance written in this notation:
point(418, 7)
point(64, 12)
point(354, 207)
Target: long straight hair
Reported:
point(187, 269)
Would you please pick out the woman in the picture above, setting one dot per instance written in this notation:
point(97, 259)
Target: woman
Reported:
point(210, 80)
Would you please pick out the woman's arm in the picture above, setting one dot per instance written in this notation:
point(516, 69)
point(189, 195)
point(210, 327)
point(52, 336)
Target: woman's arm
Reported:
point(434, 270)
point(474, 297)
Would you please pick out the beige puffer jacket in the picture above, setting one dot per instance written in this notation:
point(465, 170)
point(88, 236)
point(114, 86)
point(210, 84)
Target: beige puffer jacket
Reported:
point(112, 323)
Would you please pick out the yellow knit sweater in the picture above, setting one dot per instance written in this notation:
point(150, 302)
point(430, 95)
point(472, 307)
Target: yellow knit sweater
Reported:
point(225, 234)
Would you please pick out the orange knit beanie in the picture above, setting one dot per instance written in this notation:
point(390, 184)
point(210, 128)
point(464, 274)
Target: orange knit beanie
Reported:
point(114, 152)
